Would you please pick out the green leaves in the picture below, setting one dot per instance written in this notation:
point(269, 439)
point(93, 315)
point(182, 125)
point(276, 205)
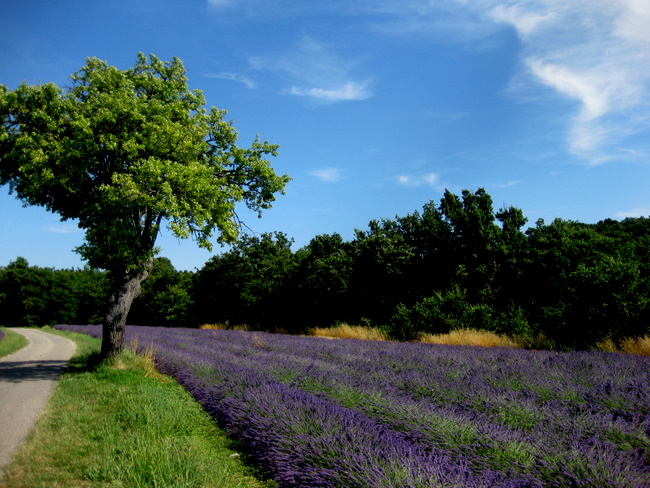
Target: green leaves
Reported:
point(124, 151)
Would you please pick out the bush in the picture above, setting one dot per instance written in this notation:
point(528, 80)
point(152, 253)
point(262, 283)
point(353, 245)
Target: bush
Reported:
point(436, 314)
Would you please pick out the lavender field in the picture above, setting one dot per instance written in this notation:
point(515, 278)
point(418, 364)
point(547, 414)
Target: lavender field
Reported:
point(342, 413)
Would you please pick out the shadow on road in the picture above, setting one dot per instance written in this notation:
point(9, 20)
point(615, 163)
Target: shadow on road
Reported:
point(16, 371)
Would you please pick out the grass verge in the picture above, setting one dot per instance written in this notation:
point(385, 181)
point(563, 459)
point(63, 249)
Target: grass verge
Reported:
point(11, 342)
point(122, 424)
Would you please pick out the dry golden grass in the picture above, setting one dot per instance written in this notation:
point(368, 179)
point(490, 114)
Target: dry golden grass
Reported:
point(637, 345)
point(244, 327)
point(345, 331)
point(630, 345)
point(607, 345)
point(143, 360)
point(213, 326)
point(470, 337)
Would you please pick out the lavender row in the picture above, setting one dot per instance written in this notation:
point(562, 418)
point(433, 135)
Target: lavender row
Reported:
point(311, 441)
point(491, 417)
point(470, 416)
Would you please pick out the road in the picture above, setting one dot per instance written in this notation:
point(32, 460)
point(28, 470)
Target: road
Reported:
point(27, 379)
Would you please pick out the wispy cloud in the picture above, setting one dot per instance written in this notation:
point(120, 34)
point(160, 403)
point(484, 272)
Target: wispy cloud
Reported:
point(329, 175)
point(454, 20)
point(219, 3)
point(317, 72)
point(595, 53)
point(348, 92)
point(635, 212)
point(509, 184)
point(525, 22)
point(239, 78)
point(429, 179)
point(63, 229)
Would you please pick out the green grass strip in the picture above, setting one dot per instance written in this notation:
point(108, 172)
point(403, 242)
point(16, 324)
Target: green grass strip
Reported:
point(12, 342)
point(123, 424)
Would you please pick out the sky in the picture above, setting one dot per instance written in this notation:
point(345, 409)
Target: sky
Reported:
point(378, 106)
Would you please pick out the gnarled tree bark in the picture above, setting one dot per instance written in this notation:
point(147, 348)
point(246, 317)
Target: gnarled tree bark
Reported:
point(127, 289)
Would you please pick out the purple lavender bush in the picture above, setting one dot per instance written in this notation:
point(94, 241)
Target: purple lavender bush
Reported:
point(317, 412)
point(2, 334)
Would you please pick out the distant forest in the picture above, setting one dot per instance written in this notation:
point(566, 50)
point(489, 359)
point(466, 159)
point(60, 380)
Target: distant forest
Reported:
point(455, 264)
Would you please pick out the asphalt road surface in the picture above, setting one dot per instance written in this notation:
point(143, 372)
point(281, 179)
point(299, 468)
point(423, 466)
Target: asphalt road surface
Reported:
point(27, 379)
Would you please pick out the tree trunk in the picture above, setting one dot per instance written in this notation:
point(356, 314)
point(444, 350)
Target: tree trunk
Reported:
point(126, 290)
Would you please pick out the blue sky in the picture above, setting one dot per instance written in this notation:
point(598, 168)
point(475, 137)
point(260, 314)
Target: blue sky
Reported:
point(378, 105)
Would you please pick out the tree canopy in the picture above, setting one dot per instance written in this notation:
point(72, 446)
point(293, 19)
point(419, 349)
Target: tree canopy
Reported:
point(124, 152)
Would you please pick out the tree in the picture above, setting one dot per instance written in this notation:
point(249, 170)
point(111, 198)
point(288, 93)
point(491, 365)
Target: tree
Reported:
point(123, 152)
point(32, 296)
point(324, 278)
point(474, 236)
point(166, 299)
point(250, 284)
point(379, 279)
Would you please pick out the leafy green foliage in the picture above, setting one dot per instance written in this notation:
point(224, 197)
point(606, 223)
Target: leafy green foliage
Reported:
point(323, 280)
point(33, 296)
point(123, 151)
point(250, 284)
point(166, 298)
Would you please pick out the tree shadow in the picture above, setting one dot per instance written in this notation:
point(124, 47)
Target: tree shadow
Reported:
point(84, 363)
point(19, 371)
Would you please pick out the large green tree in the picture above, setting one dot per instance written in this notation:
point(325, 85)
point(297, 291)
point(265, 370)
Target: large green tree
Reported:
point(124, 152)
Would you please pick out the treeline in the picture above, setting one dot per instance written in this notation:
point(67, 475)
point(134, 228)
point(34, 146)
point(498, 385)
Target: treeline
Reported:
point(456, 263)
point(34, 296)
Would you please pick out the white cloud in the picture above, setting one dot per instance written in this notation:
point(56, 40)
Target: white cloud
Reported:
point(590, 91)
point(239, 78)
point(635, 212)
point(453, 20)
point(632, 24)
point(63, 229)
point(348, 92)
point(430, 179)
point(317, 72)
point(510, 183)
point(595, 53)
point(329, 175)
point(525, 23)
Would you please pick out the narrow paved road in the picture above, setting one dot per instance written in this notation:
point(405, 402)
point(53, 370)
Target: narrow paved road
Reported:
point(27, 379)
